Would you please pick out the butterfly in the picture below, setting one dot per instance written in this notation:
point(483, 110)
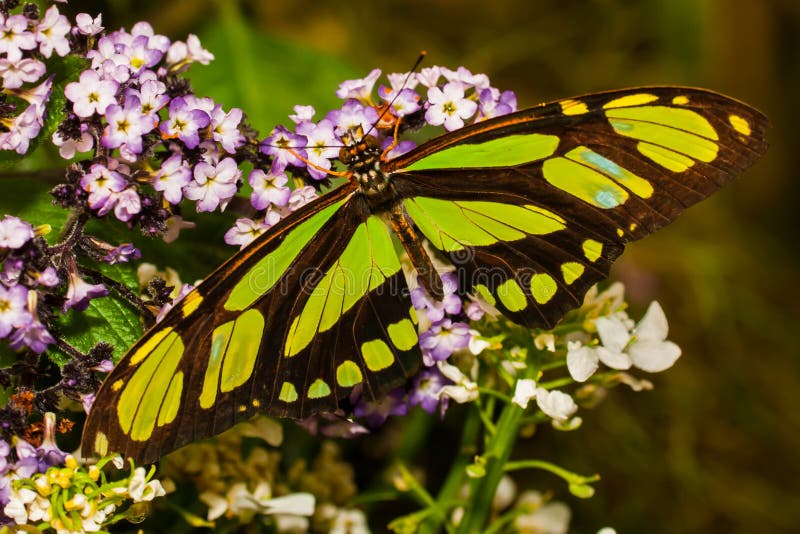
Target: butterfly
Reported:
point(530, 208)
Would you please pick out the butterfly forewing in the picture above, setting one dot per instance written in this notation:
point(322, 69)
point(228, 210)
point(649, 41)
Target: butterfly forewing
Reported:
point(547, 197)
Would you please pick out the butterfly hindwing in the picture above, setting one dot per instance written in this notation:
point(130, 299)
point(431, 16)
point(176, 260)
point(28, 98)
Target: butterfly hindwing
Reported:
point(537, 204)
point(264, 334)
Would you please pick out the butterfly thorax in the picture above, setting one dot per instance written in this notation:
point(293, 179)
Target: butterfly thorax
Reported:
point(363, 160)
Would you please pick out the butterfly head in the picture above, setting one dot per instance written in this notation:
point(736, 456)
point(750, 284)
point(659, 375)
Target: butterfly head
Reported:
point(359, 151)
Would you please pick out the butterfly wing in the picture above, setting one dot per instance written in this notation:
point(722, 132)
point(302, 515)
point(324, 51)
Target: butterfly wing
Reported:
point(533, 207)
point(308, 315)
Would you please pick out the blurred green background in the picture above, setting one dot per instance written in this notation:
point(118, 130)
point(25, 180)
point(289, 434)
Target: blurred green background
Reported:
point(716, 446)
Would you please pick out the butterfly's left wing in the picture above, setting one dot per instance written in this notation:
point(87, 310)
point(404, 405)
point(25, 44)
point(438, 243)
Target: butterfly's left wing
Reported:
point(533, 207)
point(314, 311)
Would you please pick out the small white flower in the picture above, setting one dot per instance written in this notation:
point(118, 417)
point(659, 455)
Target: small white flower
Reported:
point(476, 343)
point(506, 491)
point(39, 510)
point(349, 522)
point(650, 351)
point(606, 530)
point(582, 361)
point(17, 506)
point(546, 518)
point(298, 504)
point(140, 490)
point(524, 392)
point(464, 389)
point(217, 505)
point(555, 404)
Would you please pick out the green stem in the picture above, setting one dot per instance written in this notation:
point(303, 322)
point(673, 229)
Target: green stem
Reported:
point(568, 476)
point(482, 490)
point(449, 490)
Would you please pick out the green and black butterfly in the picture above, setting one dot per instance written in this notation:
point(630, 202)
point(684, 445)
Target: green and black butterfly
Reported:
point(531, 208)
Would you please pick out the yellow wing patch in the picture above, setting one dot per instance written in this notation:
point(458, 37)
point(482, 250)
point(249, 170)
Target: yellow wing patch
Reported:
point(573, 107)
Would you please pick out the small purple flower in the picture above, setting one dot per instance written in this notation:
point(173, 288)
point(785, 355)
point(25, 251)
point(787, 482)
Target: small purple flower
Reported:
point(152, 94)
point(184, 122)
point(27, 463)
point(16, 73)
point(404, 103)
point(128, 203)
point(245, 230)
point(85, 24)
point(359, 89)
point(302, 114)
point(68, 147)
point(466, 78)
point(189, 52)
point(402, 80)
point(80, 292)
point(225, 128)
point(492, 103)
point(22, 130)
point(268, 188)
point(301, 196)
point(126, 125)
point(51, 33)
point(48, 451)
point(32, 460)
point(87, 400)
point(141, 55)
point(353, 117)
point(14, 232)
point(427, 388)
point(103, 185)
point(435, 309)
point(449, 106)
point(36, 96)
point(442, 339)
point(213, 185)
point(34, 335)
point(172, 177)
point(283, 145)
point(474, 311)
point(91, 94)
point(48, 277)
point(13, 308)
point(15, 37)
point(429, 76)
point(154, 41)
point(321, 147)
point(376, 413)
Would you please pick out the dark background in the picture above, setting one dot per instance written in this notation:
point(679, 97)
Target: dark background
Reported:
point(714, 448)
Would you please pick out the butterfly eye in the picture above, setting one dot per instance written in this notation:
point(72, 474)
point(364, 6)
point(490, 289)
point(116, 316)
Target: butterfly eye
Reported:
point(345, 155)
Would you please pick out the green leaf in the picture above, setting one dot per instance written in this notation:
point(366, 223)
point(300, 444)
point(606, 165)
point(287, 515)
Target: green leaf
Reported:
point(28, 198)
point(108, 319)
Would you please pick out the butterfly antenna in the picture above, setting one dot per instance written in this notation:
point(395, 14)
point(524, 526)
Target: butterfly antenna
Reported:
point(417, 63)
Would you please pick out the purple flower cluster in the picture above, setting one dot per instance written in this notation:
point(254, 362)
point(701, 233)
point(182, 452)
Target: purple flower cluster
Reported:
point(435, 96)
point(25, 42)
point(155, 143)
